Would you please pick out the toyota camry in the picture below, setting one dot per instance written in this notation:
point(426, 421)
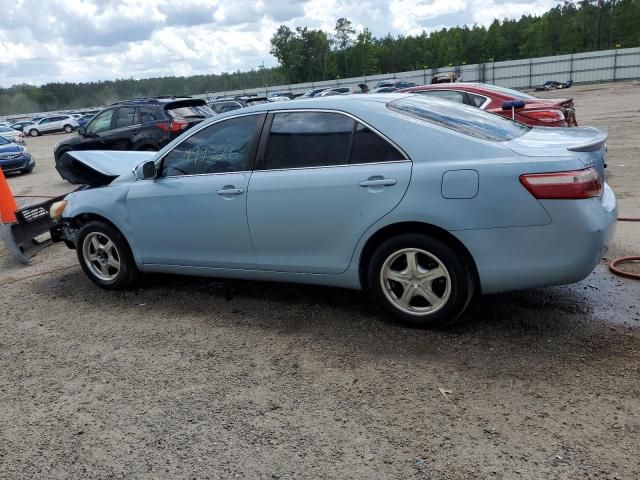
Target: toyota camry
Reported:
point(421, 201)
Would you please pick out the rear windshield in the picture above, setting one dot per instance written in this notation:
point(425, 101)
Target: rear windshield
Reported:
point(189, 111)
point(461, 118)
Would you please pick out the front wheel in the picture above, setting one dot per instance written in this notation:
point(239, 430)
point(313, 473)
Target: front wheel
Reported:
point(421, 281)
point(105, 256)
point(33, 132)
point(68, 128)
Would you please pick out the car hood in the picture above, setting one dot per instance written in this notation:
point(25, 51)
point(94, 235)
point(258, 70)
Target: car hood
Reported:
point(9, 148)
point(98, 168)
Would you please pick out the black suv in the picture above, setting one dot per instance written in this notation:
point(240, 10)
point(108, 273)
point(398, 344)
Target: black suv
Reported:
point(138, 124)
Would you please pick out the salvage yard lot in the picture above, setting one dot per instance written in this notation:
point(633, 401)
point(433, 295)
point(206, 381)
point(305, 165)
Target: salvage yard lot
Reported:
point(202, 378)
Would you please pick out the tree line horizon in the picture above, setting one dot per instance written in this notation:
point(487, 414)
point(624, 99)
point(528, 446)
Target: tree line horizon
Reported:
point(306, 55)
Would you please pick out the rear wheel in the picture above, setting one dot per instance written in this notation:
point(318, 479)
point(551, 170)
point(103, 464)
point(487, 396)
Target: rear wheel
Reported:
point(421, 281)
point(68, 128)
point(105, 256)
point(33, 132)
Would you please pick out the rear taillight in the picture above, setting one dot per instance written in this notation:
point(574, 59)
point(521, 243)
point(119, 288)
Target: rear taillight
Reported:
point(547, 116)
point(173, 126)
point(575, 184)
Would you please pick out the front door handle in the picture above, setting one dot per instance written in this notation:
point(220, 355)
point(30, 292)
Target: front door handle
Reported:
point(230, 190)
point(378, 182)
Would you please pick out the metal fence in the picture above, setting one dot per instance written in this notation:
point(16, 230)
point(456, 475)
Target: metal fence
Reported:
point(601, 66)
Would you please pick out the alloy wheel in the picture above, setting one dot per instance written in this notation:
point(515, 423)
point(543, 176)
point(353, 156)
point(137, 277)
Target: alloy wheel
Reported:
point(101, 256)
point(415, 281)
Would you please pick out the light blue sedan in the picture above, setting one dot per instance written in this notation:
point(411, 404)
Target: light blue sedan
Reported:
point(423, 202)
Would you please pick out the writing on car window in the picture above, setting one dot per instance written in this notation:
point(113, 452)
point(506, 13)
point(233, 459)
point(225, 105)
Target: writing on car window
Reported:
point(220, 148)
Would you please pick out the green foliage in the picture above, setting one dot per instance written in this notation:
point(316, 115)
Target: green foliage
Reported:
point(312, 55)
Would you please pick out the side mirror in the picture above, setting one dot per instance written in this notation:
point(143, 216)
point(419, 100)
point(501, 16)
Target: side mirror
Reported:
point(512, 104)
point(82, 131)
point(146, 170)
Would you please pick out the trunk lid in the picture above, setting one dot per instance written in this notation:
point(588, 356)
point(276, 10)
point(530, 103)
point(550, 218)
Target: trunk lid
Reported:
point(97, 167)
point(586, 143)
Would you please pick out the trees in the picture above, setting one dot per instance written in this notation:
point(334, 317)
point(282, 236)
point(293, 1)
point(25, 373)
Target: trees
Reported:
point(306, 54)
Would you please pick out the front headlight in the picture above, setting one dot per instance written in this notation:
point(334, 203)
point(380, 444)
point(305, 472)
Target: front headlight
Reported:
point(56, 209)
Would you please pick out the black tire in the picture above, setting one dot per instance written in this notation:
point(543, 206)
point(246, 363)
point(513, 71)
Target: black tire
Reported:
point(127, 273)
point(33, 132)
point(455, 291)
point(68, 128)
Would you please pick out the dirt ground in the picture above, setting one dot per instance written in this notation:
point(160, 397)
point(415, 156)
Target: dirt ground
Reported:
point(189, 378)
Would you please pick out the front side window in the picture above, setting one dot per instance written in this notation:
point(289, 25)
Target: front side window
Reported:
point(101, 123)
point(308, 139)
point(126, 117)
point(460, 118)
point(220, 148)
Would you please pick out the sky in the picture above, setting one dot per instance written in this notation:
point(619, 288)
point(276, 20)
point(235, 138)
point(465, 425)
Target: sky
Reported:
point(43, 41)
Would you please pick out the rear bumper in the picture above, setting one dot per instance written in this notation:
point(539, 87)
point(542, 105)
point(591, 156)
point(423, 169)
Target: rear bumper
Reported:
point(562, 252)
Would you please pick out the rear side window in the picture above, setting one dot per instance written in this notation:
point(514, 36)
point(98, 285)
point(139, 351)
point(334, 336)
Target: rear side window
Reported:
point(308, 139)
point(477, 100)
point(460, 118)
point(148, 115)
point(369, 147)
point(126, 117)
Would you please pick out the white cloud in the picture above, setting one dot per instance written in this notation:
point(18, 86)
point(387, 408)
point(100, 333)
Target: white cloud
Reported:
point(45, 41)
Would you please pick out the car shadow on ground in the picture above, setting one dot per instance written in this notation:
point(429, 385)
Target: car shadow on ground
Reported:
point(553, 312)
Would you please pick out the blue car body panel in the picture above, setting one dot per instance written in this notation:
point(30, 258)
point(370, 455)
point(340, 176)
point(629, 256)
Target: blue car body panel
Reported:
point(311, 225)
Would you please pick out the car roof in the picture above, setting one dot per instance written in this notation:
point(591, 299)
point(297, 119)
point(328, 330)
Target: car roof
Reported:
point(340, 103)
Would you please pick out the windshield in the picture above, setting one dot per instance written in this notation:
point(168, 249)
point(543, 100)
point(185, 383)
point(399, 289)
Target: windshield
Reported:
point(461, 118)
point(508, 91)
point(4, 141)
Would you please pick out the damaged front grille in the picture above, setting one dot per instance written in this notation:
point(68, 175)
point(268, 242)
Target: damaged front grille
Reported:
point(32, 214)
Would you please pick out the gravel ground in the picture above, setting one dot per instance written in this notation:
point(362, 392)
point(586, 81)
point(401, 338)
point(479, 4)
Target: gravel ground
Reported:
point(199, 378)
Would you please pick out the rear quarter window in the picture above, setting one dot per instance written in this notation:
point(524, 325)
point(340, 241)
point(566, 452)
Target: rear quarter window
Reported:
point(460, 118)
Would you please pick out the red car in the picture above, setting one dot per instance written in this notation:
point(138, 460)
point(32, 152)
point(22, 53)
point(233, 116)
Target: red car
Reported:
point(528, 110)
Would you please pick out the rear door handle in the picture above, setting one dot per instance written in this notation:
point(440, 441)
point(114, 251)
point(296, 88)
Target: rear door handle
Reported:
point(230, 191)
point(379, 182)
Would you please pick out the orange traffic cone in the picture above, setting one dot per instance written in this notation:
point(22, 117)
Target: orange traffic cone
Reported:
point(8, 205)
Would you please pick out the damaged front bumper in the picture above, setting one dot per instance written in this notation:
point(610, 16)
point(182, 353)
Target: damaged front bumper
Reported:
point(62, 231)
point(28, 235)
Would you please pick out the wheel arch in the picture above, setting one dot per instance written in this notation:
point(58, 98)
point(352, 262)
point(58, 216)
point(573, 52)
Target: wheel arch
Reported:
point(401, 228)
point(81, 219)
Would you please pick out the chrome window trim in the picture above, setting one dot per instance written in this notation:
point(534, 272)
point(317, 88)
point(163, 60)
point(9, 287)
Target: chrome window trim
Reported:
point(289, 110)
point(393, 162)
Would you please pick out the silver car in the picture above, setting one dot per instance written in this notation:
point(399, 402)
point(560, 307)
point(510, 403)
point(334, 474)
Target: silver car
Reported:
point(56, 123)
point(12, 135)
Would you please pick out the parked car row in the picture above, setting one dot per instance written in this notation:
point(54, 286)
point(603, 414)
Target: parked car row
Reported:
point(146, 124)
